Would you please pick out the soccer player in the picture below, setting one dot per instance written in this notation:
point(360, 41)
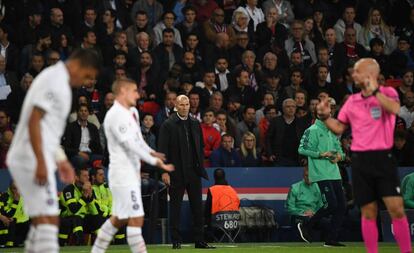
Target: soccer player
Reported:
point(371, 115)
point(35, 151)
point(126, 150)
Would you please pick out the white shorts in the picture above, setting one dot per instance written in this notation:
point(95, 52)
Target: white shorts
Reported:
point(39, 200)
point(127, 202)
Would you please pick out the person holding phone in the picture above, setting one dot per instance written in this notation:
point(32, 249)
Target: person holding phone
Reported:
point(323, 151)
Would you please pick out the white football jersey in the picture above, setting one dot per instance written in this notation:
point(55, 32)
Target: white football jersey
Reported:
point(125, 145)
point(51, 92)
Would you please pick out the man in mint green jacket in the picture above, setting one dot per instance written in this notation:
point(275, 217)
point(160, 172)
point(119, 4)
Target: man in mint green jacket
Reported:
point(324, 151)
point(407, 190)
point(304, 199)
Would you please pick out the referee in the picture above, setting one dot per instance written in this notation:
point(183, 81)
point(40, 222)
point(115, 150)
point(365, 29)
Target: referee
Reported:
point(371, 114)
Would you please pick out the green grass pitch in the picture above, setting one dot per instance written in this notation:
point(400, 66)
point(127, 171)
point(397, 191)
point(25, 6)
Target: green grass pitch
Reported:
point(239, 248)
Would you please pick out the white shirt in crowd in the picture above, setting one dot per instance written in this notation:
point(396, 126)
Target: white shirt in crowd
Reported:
point(407, 116)
point(85, 139)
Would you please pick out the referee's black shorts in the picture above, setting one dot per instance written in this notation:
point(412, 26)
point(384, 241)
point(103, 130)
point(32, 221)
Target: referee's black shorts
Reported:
point(374, 176)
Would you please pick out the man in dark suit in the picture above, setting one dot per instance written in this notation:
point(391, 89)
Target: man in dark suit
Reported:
point(181, 140)
point(81, 139)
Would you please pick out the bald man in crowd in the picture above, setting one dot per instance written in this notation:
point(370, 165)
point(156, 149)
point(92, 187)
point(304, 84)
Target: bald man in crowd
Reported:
point(371, 114)
point(181, 140)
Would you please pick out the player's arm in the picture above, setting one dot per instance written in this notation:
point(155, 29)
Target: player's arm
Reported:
point(389, 104)
point(309, 145)
point(35, 137)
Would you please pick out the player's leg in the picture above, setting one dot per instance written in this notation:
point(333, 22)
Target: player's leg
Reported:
point(134, 235)
point(41, 205)
point(338, 211)
point(106, 233)
point(369, 226)
point(395, 207)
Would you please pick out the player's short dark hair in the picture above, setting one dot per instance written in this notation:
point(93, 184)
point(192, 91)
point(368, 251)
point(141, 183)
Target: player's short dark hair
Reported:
point(87, 58)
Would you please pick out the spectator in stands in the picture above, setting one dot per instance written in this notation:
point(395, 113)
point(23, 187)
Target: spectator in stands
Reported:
point(89, 42)
point(221, 197)
point(8, 49)
point(270, 112)
point(120, 44)
point(211, 137)
point(375, 27)
point(407, 111)
point(147, 130)
point(167, 109)
point(57, 26)
point(347, 20)
point(242, 45)
point(225, 155)
point(216, 101)
point(323, 59)
point(204, 9)
point(140, 26)
point(296, 80)
point(52, 58)
point(283, 136)
point(402, 57)
point(37, 63)
point(15, 221)
point(321, 82)
point(167, 53)
point(406, 84)
point(272, 84)
point(403, 149)
point(7, 78)
point(107, 104)
point(168, 19)
point(244, 93)
point(271, 66)
point(208, 87)
point(78, 209)
point(189, 25)
point(81, 138)
point(408, 28)
point(64, 47)
point(41, 45)
point(249, 156)
point(336, 56)
point(108, 27)
point(284, 10)
point(272, 28)
point(143, 42)
point(4, 122)
point(87, 23)
point(6, 140)
point(16, 97)
point(297, 42)
point(30, 28)
point(407, 190)
point(248, 124)
point(347, 86)
point(192, 44)
point(224, 124)
point(304, 199)
point(240, 24)
point(190, 69)
point(301, 98)
point(194, 97)
point(223, 75)
point(254, 13)
point(350, 49)
point(153, 9)
point(376, 46)
point(216, 25)
point(254, 68)
point(319, 28)
point(147, 77)
point(267, 99)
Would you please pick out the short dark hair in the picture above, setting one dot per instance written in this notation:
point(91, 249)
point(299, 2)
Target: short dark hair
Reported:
point(188, 8)
point(140, 12)
point(169, 12)
point(247, 107)
point(296, 70)
point(168, 30)
point(220, 176)
point(83, 105)
point(221, 111)
point(44, 33)
point(268, 108)
point(120, 52)
point(87, 58)
point(226, 135)
point(209, 109)
point(81, 167)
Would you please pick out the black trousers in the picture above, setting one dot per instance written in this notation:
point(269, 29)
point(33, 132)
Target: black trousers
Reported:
point(77, 226)
point(16, 233)
point(335, 205)
point(194, 191)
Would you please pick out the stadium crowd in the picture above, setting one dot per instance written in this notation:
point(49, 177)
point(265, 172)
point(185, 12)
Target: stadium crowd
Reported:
point(253, 71)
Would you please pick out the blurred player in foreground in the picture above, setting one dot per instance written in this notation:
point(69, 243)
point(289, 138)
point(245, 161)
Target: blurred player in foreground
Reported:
point(35, 151)
point(371, 115)
point(126, 150)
